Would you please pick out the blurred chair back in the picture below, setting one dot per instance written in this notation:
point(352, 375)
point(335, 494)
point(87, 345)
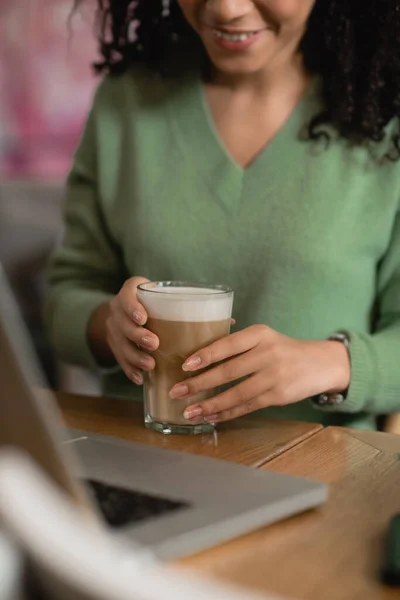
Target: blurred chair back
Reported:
point(76, 560)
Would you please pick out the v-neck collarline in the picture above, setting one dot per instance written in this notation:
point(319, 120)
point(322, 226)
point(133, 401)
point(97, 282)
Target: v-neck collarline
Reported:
point(195, 134)
point(291, 127)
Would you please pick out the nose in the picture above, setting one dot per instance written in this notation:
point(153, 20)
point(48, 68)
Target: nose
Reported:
point(227, 11)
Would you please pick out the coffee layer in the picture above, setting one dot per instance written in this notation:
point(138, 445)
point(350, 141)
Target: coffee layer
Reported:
point(178, 340)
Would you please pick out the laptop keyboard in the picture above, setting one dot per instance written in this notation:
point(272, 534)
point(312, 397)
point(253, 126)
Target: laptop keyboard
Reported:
point(122, 507)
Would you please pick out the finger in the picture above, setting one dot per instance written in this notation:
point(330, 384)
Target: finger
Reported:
point(129, 302)
point(231, 345)
point(271, 397)
point(136, 358)
point(139, 335)
point(238, 411)
point(242, 393)
point(233, 322)
point(134, 375)
point(131, 372)
point(231, 370)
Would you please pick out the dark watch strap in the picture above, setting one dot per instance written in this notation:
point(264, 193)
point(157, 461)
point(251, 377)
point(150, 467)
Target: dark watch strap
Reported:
point(338, 398)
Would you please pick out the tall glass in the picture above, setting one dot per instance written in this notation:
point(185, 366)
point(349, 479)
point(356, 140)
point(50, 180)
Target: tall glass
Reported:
point(186, 317)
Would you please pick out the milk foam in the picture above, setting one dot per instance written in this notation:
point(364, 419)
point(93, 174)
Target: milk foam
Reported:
point(193, 305)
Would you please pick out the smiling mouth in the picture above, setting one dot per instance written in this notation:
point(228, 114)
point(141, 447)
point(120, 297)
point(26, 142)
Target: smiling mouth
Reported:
point(234, 36)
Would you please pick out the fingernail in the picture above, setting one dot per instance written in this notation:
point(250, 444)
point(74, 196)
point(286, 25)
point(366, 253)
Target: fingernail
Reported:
point(138, 317)
point(192, 412)
point(147, 342)
point(191, 363)
point(147, 363)
point(179, 390)
point(136, 378)
point(211, 418)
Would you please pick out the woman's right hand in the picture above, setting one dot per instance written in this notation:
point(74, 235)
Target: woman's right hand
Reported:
point(117, 332)
point(126, 334)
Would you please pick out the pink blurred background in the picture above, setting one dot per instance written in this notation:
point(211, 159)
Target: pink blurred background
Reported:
point(46, 85)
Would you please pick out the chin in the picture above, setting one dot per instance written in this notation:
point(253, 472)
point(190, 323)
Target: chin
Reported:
point(240, 63)
point(237, 66)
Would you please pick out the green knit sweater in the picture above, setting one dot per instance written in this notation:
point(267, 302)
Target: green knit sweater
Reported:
point(308, 235)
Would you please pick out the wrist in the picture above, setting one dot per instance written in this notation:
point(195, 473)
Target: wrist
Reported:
point(97, 336)
point(339, 361)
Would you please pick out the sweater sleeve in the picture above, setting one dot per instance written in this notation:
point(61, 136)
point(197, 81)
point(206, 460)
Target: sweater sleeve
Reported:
point(86, 269)
point(375, 358)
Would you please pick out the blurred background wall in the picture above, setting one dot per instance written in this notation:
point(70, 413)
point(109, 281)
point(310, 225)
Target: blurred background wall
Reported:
point(46, 87)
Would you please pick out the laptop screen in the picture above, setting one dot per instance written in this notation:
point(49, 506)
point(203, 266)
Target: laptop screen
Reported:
point(30, 419)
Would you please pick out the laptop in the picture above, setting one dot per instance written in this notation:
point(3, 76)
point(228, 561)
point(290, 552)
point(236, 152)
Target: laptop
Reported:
point(169, 503)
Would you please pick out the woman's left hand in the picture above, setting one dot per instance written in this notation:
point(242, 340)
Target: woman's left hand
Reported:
point(278, 370)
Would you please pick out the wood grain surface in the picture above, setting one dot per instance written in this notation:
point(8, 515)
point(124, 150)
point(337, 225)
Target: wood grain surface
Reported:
point(250, 441)
point(334, 552)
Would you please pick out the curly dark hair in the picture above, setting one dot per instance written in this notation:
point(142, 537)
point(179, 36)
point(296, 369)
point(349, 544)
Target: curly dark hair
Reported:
point(353, 45)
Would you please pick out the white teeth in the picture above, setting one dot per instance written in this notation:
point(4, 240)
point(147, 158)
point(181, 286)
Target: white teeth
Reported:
point(232, 37)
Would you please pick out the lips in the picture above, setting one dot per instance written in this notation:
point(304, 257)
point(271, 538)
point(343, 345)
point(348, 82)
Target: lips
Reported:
point(234, 39)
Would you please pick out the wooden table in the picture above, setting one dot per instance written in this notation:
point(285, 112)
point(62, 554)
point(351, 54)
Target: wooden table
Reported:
point(333, 553)
point(252, 441)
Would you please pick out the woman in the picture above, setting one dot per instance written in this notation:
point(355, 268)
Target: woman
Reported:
point(253, 143)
